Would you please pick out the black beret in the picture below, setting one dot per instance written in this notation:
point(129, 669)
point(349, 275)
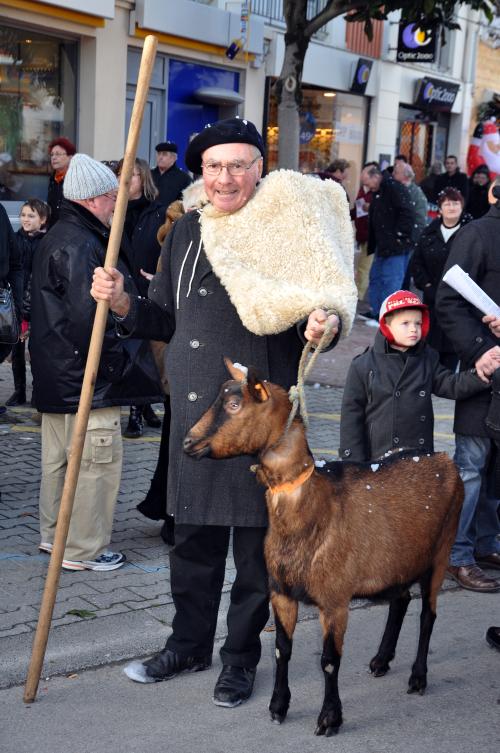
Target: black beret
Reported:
point(230, 131)
point(166, 146)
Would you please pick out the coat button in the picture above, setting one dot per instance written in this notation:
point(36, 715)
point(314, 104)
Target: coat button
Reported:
point(422, 393)
point(347, 453)
point(203, 292)
point(479, 339)
point(192, 397)
point(397, 393)
point(396, 440)
point(194, 344)
point(422, 418)
point(421, 440)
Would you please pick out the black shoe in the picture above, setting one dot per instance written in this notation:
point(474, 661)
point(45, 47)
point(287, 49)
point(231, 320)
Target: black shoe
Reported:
point(164, 666)
point(493, 637)
point(135, 427)
point(18, 397)
point(235, 685)
point(150, 417)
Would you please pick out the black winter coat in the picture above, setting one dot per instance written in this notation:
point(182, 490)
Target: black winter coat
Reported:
point(170, 184)
point(144, 247)
point(62, 315)
point(27, 246)
point(11, 268)
point(427, 265)
point(190, 309)
point(391, 220)
point(54, 199)
point(476, 249)
point(387, 403)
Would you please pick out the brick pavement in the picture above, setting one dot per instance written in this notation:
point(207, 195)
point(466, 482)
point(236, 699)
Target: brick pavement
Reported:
point(143, 583)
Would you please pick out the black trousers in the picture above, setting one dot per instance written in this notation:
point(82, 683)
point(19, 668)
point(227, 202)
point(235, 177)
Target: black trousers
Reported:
point(197, 567)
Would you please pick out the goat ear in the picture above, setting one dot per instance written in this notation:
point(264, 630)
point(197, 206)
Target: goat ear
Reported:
point(257, 388)
point(236, 374)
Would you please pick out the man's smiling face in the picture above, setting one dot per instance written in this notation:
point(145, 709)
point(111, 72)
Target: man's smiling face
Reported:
point(226, 192)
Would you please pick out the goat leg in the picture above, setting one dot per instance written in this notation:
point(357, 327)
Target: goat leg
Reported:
point(380, 664)
point(418, 678)
point(285, 616)
point(330, 716)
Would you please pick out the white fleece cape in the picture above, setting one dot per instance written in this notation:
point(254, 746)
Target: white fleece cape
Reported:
point(289, 250)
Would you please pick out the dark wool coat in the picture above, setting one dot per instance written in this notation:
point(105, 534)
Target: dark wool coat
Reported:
point(144, 247)
point(27, 247)
point(54, 199)
point(190, 309)
point(477, 250)
point(387, 403)
point(426, 267)
point(62, 315)
point(391, 220)
point(170, 184)
point(11, 268)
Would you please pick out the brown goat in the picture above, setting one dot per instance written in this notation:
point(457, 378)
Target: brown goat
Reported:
point(344, 530)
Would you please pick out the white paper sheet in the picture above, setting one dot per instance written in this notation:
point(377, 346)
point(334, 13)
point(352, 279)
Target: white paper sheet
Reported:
point(460, 281)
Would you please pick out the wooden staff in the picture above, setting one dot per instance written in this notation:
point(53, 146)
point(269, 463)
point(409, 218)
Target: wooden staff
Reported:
point(89, 379)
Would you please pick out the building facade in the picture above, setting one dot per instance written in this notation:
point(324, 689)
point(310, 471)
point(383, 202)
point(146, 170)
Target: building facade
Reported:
point(69, 67)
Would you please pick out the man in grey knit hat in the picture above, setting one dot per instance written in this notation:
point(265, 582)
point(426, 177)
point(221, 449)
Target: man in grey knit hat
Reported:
point(62, 315)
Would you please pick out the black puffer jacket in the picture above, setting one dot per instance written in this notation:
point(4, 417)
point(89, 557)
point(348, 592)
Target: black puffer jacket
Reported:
point(387, 402)
point(391, 220)
point(27, 246)
point(62, 315)
point(476, 250)
point(427, 265)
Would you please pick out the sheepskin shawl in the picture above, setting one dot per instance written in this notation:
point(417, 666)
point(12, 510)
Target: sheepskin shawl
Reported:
point(288, 251)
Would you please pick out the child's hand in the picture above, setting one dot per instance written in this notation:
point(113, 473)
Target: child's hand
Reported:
point(488, 363)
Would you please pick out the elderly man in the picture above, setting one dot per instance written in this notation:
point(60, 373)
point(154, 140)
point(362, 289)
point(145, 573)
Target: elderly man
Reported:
point(477, 343)
point(168, 177)
point(237, 277)
point(62, 314)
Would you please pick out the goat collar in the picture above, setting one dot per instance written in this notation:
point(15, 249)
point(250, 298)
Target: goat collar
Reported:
point(290, 486)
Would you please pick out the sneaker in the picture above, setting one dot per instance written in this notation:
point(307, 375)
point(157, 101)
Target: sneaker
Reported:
point(44, 546)
point(135, 426)
point(234, 685)
point(164, 666)
point(18, 397)
point(105, 561)
point(150, 416)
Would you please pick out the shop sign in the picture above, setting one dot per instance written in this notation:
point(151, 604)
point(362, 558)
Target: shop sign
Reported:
point(361, 75)
point(435, 94)
point(415, 44)
point(307, 127)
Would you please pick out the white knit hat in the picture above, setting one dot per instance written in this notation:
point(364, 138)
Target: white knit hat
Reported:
point(87, 178)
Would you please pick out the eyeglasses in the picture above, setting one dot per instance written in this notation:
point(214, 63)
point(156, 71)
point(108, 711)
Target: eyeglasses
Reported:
point(233, 168)
point(112, 196)
point(58, 154)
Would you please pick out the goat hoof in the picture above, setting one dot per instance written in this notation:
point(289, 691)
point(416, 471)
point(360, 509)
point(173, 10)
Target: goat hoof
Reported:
point(417, 685)
point(328, 723)
point(326, 731)
point(277, 718)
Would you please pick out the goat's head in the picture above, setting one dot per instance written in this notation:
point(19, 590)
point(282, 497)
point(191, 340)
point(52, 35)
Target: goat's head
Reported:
point(244, 419)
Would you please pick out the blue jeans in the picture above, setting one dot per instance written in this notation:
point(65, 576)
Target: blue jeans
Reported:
point(386, 276)
point(478, 526)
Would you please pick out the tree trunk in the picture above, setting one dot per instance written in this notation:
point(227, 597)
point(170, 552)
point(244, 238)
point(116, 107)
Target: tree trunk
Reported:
point(288, 110)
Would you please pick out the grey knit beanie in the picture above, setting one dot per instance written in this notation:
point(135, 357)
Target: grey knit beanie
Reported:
point(87, 178)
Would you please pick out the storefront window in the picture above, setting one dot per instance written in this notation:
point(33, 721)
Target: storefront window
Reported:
point(332, 126)
point(37, 104)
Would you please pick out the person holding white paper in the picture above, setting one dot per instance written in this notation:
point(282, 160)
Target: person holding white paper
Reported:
point(476, 339)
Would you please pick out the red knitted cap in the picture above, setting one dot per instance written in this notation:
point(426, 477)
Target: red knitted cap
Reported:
point(402, 299)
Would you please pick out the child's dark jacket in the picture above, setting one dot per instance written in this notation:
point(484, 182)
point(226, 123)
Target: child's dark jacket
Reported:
point(387, 401)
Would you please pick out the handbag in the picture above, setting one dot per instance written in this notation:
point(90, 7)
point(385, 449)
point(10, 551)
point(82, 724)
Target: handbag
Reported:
point(9, 324)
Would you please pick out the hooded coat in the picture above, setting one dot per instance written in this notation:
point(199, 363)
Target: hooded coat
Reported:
point(62, 315)
point(190, 308)
point(387, 401)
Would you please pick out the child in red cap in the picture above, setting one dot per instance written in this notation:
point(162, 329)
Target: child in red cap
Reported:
point(387, 403)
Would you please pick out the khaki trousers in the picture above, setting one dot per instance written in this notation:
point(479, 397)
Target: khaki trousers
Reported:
point(363, 263)
point(98, 483)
